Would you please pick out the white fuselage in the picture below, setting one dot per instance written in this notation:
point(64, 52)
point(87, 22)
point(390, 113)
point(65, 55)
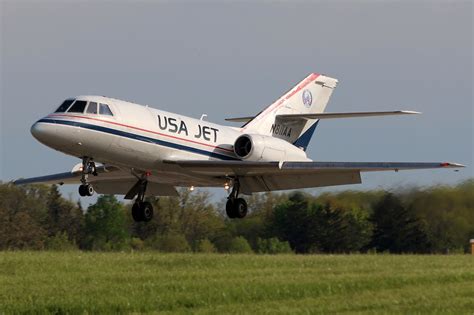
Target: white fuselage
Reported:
point(140, 138)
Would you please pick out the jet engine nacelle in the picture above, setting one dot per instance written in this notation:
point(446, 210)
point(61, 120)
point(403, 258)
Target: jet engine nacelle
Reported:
point(252, 147)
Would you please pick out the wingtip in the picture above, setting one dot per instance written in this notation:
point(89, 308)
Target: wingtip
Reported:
point(452, 165)
point(16, 182)
point(411, 112)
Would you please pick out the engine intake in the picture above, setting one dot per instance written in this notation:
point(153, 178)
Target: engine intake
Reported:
point(243, 146)
point(264, 148)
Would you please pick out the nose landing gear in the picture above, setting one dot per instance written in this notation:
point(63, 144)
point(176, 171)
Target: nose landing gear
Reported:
point(236, 207)
point(88, 167)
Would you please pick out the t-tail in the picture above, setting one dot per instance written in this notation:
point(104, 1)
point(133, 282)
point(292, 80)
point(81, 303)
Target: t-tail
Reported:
point(287, 117)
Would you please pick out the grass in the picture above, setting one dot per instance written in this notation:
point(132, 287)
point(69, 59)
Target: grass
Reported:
point(79, 282)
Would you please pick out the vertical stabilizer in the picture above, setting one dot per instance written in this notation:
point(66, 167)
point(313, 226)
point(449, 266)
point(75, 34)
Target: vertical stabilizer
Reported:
point(310, 96)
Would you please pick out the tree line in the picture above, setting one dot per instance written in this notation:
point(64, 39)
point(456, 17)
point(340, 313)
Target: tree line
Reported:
point(438, 219)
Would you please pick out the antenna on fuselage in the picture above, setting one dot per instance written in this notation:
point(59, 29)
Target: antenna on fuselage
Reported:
point(203, 116)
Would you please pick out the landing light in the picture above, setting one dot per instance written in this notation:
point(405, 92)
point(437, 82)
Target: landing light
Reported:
point(191, 188)
point(226, 186)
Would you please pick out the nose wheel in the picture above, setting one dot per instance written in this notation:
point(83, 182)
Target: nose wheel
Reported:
point(86, 190)
point(236, 207)
point(88, 167)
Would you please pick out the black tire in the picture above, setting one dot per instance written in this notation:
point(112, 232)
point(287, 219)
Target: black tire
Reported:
point(229, 208)
point(89, 190)
point(136, 213)
point(82, 191)
point(240, 208)
point(146, 211)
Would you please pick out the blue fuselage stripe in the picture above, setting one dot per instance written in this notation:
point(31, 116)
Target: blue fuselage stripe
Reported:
point(134, 136)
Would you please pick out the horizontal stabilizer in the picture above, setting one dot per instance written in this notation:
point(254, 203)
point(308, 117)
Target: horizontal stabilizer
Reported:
point(330, 115)
point(240, 119)
point(345, 115)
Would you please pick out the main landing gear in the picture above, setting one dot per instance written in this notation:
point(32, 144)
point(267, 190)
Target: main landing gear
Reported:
point(88, 167)
point(142, 211)
point(236, 207)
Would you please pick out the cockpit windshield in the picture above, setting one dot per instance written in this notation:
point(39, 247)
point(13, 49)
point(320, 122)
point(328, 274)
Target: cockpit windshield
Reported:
point(78, 107)
point(92, 108)
point(64, 106)
point(105, 110)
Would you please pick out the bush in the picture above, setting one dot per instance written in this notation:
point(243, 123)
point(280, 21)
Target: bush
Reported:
point(273, 246)
point(239, 245)
point(101, 245)
point(205, 246)
point(222, 242)
point(169, 243)
point(60, 242)
point(136, 243)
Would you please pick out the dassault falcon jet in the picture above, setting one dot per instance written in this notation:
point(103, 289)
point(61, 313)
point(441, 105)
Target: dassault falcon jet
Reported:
point(143, 151)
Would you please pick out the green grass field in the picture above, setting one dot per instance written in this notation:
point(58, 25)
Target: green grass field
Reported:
point(78, 282)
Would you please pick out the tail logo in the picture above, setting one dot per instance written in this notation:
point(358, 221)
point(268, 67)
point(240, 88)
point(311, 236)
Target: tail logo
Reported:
point(307, 98)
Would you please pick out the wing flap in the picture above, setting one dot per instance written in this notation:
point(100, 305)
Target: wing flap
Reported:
point(262, 183)
point(121, 187)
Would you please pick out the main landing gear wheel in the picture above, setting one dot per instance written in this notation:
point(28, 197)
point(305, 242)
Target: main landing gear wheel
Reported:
point(236, 207)
point(229, 208)
point(86, 190)
point(142, 211)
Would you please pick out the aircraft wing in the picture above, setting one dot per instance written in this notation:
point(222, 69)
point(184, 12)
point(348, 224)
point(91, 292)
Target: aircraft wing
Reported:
point(253, 176)
point(110, 180)
point(72, 177)
point(268, 176)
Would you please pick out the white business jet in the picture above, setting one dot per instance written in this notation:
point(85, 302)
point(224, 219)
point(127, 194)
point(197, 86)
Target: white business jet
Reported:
point(143, 151)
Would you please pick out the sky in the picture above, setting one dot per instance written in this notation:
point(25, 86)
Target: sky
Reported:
point(231, 59)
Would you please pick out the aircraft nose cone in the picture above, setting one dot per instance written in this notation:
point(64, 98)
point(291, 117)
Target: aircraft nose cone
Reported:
point(43, 132)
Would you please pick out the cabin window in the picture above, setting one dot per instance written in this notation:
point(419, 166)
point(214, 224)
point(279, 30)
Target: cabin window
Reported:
point(92, 108)
point(64, 106)
point(78, 107)
point(105, 110)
